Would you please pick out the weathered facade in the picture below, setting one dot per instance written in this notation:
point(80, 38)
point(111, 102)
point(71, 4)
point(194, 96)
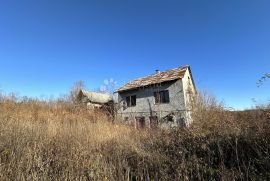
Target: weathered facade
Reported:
point(161, 99)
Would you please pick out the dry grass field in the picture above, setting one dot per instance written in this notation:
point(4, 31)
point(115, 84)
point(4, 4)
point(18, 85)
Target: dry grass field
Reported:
point(58, 141)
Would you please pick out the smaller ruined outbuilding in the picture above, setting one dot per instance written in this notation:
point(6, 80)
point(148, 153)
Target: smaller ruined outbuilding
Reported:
point(94, 99)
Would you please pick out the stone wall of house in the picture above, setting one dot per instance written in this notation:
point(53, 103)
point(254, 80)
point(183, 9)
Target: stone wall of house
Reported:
point(189, 91)
point(168, 114)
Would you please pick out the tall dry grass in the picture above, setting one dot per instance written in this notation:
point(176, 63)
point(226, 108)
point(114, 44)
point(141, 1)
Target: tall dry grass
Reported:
point(59, 141)
point(56, 141)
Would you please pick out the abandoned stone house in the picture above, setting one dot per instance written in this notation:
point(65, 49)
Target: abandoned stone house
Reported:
point(161, 99)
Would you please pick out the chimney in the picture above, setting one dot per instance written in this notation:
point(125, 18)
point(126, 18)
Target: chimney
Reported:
point(157, 71)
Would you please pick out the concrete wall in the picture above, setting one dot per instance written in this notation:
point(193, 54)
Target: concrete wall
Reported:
point(189, 91)
point(146, 106)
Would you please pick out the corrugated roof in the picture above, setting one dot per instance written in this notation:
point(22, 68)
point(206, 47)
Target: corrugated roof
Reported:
point(174, 74)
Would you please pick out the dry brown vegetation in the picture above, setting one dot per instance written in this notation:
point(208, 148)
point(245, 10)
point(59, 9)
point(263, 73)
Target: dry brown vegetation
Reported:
point(58, 141)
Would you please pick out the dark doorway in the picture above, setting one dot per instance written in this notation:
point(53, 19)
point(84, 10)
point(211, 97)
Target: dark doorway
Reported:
point(140, 122)
point(153, 122)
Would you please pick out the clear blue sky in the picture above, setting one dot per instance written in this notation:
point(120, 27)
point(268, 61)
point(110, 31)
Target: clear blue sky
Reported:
point(46, 45)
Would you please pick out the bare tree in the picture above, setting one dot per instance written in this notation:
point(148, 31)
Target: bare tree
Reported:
point(74, 91)
point(262, 79)
point(108, 86)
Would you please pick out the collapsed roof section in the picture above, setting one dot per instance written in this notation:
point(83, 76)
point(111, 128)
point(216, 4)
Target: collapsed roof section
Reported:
point(94, 97)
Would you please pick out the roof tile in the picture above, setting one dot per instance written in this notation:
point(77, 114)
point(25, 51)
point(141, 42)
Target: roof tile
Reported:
point(169, 75)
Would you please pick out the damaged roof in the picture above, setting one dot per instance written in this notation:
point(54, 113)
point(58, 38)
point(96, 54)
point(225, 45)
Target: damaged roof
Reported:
point(173, 74)
point(96, 97)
